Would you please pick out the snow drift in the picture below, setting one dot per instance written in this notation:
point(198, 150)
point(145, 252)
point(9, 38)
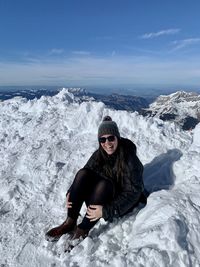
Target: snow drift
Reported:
point(44, 142)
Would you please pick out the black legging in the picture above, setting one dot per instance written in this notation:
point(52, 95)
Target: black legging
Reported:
point(91, 188)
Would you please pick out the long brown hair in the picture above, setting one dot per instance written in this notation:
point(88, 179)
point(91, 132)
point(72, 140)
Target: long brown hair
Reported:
point(119, 157)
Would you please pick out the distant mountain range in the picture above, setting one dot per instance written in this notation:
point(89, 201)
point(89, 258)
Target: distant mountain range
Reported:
point(27, 93)
point(115, 101)
point(181, 107)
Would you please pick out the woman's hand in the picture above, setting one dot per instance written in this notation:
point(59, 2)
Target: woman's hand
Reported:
point(68, 204)
point(94, 212)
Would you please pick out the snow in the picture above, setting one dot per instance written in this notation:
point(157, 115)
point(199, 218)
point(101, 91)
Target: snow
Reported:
point(45, 142)
point(182, 104)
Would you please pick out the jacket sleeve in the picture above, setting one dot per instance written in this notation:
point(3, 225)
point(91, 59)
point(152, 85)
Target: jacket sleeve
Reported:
point(130, 193)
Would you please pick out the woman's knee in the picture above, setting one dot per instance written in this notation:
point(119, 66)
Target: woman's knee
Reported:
point(81, 175)
point(82, 172)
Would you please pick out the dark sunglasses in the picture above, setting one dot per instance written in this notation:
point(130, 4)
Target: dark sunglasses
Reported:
point(110, 138)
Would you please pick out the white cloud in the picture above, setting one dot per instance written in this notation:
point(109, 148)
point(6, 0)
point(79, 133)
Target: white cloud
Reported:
point(56, 51)
point(186, 42)
point(90, 70)
point(157, 34)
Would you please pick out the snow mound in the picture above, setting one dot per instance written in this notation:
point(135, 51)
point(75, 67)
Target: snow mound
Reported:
point(44, 142)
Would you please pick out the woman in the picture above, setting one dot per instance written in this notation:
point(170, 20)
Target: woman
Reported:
point(110, 184)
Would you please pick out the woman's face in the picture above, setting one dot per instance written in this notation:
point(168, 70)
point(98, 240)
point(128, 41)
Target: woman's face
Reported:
point(109, 143)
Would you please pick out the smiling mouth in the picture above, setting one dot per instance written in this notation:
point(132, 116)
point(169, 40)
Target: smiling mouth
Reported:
point(110, 149)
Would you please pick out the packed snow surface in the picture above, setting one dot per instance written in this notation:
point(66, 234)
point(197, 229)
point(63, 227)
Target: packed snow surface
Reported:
point(43, 143)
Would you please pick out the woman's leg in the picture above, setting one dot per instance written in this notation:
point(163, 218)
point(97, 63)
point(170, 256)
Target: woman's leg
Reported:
point(77, 195)
point(101, 193)
point(91, 188)
point(83, 183)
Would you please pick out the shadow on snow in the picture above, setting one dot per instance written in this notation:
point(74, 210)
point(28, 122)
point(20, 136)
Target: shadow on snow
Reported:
point(158, 174)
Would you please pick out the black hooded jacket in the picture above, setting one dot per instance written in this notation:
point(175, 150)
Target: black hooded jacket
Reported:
point(130, 192)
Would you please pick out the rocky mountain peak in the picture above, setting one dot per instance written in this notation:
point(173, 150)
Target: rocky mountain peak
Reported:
point(181, 107)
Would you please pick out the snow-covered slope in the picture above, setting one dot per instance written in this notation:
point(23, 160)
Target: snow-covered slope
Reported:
point(177, 106)
point(44, 142)
point(180, 103)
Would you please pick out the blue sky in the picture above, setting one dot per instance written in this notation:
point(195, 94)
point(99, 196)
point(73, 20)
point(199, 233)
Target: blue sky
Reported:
point(109, 43)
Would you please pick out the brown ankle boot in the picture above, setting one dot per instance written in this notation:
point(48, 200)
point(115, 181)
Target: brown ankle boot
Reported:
point(80, 233)
point(66, 227)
